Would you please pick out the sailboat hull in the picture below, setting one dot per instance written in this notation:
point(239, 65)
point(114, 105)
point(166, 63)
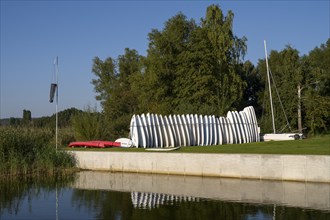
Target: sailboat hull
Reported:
point(281, 137)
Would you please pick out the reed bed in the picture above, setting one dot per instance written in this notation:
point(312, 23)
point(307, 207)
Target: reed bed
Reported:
point(25, 150)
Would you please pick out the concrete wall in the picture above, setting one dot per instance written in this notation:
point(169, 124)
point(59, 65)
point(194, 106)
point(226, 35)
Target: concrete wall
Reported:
point(296, 194)
point(251, 166)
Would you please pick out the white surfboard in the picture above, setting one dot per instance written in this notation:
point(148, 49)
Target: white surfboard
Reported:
point(214, 131)
point(141, 133)
point(197, 130)
point(211, 130)
point(170, 133)
point(155, 130)
point(201, 130)
point(131, 127)
point(218, 131)
point(232, 125)
point(229, 138)
point(188, 129)
point(172, 125)
point(182, 131)
point(247, 127)
point(160, 132)
point(133, 132)
point(246, 132)
point(231, 128)
point(163, 149)
point(216, 127)
point(193, 129)
point(145, 127)
point(222, 130)
point(238, 127)
point(250, 124)
point(231, 120)
point(247, 135)
point(206, 131)
point(125, 142)
point(165, 133)
point(255, 123)
point(150, 130)
point(177, 129)
point(244, 135)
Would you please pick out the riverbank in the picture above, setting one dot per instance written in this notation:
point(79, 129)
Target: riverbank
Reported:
point(303, 168)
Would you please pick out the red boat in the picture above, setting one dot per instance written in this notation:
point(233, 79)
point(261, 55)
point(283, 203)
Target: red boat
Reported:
point(99, 144)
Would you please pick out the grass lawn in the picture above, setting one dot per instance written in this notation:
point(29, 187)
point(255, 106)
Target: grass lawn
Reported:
point(312, 146)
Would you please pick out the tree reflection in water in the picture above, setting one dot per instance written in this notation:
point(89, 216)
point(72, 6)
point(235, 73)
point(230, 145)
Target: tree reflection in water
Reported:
point(141, 205)
point(107, 204)
point(15, 190)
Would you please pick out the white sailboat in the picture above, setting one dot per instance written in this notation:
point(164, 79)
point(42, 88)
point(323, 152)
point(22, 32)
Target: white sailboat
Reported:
point(276, 136)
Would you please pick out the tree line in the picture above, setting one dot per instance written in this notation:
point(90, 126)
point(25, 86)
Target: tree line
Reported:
point(65, 119)
point(199, 68)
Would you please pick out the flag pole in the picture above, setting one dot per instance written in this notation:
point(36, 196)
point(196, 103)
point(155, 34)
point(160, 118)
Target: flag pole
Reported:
point(53, 92)
point(56, 130)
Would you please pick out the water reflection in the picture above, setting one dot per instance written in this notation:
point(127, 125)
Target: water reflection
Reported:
point(31, 197)
point(103, 195)
point(295, 194)
point(143, 200)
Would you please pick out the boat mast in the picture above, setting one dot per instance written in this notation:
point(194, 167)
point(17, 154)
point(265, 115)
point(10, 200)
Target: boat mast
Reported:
point(270, 91)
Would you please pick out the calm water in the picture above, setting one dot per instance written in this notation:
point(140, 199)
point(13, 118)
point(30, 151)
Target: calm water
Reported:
point(103, 195)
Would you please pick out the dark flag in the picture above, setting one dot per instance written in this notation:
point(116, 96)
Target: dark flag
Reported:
point(53, 88)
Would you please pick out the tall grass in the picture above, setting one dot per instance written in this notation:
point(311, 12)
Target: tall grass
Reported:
point(30, 151)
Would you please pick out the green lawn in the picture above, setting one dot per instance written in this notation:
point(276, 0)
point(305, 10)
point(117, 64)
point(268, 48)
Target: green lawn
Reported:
point(314, 146)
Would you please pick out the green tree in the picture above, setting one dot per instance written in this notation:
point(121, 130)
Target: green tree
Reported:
point(106, 74)
point(302, 85)
point(214, 62)
point(14, 121)
point(315, 93)
point(104, 85)
point(64, 119)
point(26, 117)
point(194, 68)
point(284, 67)
point(123, 102)
point(159, 92)
point(254, 86)
point(113, 85)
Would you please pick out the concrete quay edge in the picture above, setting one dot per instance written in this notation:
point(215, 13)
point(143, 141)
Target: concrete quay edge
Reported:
point(302, 168)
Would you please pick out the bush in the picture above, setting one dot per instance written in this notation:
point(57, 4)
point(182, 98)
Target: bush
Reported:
point(89, 125)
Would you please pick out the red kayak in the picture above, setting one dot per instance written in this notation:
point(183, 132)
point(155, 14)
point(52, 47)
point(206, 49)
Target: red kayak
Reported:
point(99, 144)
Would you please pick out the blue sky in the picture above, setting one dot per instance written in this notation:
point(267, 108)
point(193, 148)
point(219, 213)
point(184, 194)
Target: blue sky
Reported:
point(33, 33)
